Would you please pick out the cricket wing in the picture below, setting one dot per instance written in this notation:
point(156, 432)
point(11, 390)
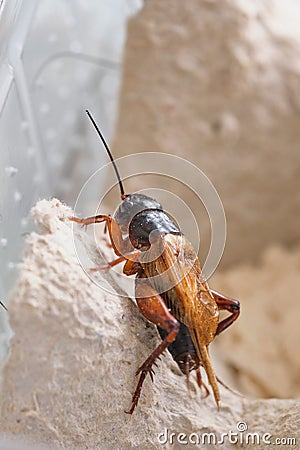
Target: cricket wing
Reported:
point(193, 303)
point(188, 296)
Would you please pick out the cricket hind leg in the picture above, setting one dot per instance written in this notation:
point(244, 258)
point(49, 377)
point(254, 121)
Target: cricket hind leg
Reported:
point(228, 304)
point(154, 309)
point(233, 306)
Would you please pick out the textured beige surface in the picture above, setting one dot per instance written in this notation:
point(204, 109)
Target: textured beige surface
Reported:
point(262, 348)
point(70, 373)
point(217, 82)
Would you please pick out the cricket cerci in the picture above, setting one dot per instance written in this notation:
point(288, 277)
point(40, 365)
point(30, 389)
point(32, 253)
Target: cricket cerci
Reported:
point(186, 314)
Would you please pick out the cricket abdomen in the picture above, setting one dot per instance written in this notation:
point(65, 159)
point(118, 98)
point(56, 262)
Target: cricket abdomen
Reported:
point(182, 349)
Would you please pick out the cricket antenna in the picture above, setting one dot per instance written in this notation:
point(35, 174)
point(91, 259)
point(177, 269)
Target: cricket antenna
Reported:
point(2, 304)
point(123, 195)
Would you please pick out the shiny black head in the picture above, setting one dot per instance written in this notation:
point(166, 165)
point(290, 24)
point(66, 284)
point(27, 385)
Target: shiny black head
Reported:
point(132, 205)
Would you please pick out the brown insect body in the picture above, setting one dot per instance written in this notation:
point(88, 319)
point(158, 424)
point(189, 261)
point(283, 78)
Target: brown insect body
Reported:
point(170, 290)
point(190, 301)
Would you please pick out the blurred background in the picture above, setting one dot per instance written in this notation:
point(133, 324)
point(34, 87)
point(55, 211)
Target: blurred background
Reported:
point(57, 58)
point(214, 82)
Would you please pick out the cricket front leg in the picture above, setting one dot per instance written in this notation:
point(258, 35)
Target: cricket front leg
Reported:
point(154, 309)
point(228, 304)
point(119, 244)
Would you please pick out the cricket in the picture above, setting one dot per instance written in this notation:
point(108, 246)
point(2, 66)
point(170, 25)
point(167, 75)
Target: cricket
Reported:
point(186, 313)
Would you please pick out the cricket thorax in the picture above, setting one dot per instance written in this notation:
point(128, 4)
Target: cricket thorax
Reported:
point(148, 225)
